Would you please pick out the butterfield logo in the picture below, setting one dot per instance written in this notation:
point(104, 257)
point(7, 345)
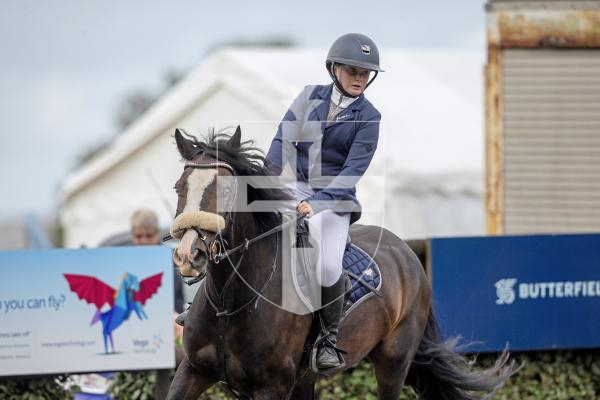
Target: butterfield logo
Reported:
point(508, 291)
point(505, 291)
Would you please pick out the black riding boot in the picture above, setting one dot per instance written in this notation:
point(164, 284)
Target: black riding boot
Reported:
point(328, 355)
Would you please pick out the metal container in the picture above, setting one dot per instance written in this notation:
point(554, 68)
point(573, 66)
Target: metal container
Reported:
point(542, 117)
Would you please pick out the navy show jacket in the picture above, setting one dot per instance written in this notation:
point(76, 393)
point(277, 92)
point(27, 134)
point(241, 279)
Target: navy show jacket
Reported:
point(330, 155)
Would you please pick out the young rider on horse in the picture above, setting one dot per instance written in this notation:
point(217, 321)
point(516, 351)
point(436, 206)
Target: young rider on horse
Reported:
point(329, 157)
point(328, 164)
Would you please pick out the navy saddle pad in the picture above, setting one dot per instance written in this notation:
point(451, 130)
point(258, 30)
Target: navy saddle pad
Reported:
point(361, 268)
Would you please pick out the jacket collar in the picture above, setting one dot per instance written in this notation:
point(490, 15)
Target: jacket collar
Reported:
point(339, 99)
point(324, 93)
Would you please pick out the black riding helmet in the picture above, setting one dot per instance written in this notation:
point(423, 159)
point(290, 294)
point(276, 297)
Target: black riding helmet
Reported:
point(356, 50)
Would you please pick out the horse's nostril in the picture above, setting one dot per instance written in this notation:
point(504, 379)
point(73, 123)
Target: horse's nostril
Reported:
point(200, 259)
point(176, 256)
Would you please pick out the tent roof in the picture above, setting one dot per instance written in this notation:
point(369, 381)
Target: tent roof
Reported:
point(430, 101)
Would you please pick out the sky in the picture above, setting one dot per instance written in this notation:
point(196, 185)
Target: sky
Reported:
point(66, 65)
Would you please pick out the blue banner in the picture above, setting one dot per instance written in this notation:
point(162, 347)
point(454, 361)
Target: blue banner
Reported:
point(524, 292)
point(105, 309)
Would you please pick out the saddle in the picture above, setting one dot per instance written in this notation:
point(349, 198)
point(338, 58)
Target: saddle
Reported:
point(363, 277)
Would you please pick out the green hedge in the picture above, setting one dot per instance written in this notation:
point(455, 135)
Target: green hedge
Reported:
point(133, 385)
point(45, 388)
point(559, 375)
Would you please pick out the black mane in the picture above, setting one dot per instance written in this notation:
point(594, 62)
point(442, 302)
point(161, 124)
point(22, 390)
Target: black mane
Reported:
point(246, 160)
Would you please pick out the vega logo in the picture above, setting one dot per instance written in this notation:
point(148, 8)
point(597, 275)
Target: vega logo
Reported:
point(132, 295)
point(507, 293)
point(147, 345)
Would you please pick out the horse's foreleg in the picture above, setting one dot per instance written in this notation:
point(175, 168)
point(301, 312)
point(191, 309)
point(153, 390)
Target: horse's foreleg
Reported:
point(189, 383)
point(277, 390)
point(304, 389)
point(271, 393)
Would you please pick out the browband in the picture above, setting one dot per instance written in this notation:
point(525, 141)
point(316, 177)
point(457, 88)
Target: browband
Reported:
point(212, 164)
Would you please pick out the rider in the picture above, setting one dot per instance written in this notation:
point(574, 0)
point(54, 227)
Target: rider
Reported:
point(329, 157)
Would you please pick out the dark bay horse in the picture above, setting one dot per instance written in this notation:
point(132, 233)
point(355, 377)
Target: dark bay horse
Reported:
point(232, 334)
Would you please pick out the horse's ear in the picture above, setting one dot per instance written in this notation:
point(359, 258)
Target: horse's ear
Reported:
point(185, 146)
point(236, 140)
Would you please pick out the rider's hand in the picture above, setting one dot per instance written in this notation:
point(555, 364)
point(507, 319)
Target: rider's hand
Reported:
point(305, 209)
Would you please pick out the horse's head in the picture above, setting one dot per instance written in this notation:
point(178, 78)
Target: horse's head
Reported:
point(206, 192)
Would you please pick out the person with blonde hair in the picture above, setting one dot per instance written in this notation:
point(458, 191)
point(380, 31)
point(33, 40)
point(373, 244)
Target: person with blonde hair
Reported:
point(145, 231)
point(328, 138)
point(144, 228)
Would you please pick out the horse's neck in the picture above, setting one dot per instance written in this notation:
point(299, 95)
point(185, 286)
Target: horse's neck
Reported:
point(254, 268)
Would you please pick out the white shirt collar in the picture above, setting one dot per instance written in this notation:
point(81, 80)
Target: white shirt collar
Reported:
point(336, 95)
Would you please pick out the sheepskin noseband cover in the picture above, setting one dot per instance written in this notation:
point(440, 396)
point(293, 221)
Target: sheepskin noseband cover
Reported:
point(204, 220)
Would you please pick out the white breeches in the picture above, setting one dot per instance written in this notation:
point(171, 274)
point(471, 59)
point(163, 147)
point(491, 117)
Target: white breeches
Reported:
point(330, 231)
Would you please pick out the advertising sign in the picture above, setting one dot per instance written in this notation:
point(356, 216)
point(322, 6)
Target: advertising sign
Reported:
point(83, 310)
point(527, 292)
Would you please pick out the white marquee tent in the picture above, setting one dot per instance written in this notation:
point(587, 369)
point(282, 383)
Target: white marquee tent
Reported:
point(426, 180)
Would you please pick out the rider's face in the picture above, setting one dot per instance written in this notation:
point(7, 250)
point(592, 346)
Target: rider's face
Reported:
point(353, 79)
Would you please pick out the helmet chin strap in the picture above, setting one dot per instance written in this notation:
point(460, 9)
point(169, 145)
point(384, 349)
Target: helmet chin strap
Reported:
point(338, 85)
point(372, 79)
point(336, 82)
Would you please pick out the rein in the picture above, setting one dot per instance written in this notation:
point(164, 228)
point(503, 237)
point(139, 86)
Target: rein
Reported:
point(246, 242)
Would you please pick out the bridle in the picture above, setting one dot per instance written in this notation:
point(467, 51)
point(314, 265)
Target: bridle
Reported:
point(217, 248)
point(202, 221)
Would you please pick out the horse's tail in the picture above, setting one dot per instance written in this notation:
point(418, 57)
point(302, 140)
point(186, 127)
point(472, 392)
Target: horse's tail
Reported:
point(440, 373)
